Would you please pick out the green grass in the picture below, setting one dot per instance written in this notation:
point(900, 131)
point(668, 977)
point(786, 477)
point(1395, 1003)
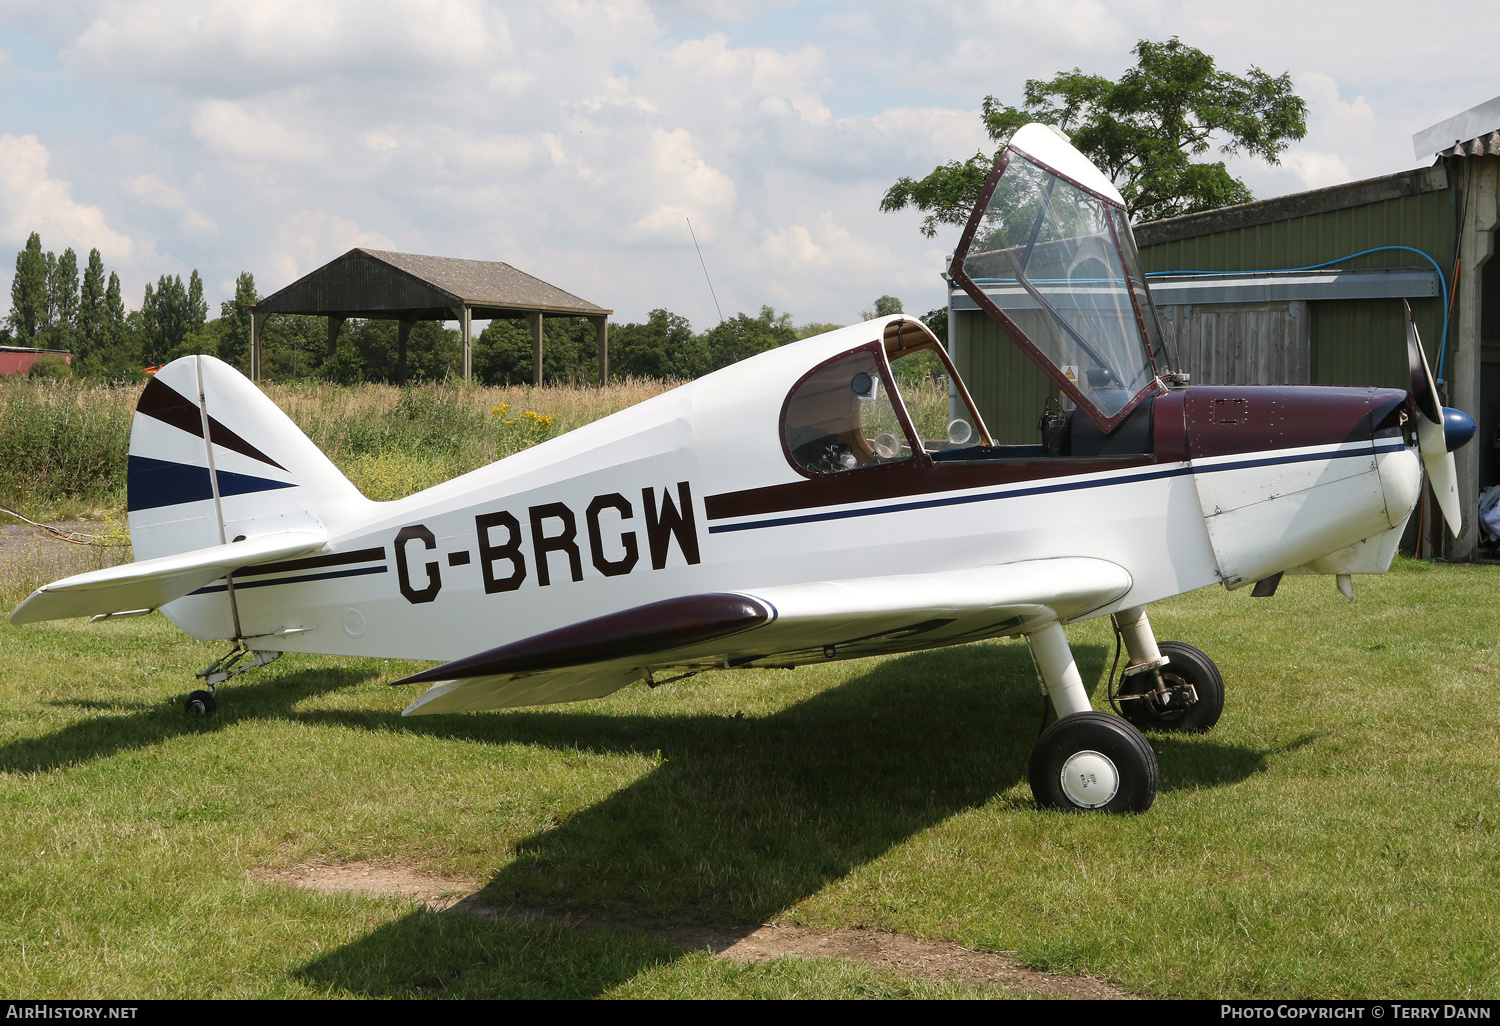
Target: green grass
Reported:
point(1335, 835)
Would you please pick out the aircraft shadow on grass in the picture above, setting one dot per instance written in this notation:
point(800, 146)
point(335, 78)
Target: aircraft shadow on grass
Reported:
point(744, 817)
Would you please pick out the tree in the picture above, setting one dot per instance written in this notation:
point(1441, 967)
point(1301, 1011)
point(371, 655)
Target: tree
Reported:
point(170, 315)
point(49, 259)
point(1141, 131)
point(62, 299)
point(885, 306)
point(293, 346)
point(28, 290)
point(234, 322)
point(937, 320)
point(503, 351)
point(743, 336)
point(196, 310)
point(91, 312)
point(114, 305)
point(812, 328)
point(115, 353)
point(663, 347)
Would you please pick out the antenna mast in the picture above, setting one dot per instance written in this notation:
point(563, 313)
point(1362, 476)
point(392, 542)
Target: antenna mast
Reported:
point(706, 278)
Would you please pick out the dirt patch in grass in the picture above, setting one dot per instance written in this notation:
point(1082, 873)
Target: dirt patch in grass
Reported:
point(29, 558)
point(432, 889)
point(926, 959)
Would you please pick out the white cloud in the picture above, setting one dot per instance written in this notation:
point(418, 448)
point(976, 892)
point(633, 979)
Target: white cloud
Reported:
point(307, 239)
point(154, 191)
point(232, 129)
point(232, 46)
point(684, 185)
point(1345, 141)
point(31, 200)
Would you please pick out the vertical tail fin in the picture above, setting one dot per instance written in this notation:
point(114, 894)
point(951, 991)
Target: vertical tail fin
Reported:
point(212, 459)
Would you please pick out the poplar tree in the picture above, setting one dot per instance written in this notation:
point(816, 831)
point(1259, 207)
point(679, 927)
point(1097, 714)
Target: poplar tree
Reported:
point(196, 310)
point(91, 306)
point(48, 294)
point(28, 290)
point(62, 297)
point(234, 317)
point(167, 316)
point(114, 307)
point(114, 328)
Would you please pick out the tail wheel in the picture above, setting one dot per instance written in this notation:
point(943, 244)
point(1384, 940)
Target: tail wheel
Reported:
point(1175, 710)
point(201, 703)
point(1093, 762)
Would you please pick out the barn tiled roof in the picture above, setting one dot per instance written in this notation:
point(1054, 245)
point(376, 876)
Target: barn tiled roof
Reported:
point(489, 283)
point(373, 282)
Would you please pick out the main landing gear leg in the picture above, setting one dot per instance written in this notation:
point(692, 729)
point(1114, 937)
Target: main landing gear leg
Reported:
point(1086, 760)
point(1170, 686)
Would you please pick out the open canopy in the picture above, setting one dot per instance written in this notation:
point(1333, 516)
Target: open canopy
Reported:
point(1048, 255)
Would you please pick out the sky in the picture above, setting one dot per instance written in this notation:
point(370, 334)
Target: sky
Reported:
point(576, 140)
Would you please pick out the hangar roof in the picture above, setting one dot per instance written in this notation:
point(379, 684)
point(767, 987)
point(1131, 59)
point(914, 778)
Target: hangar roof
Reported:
point(1474, 133)
point(382, 284)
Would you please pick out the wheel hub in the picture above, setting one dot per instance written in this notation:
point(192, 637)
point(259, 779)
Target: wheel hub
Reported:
point(1090, 779)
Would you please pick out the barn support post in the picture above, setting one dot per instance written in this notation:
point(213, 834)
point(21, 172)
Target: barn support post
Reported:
point(601, 329)
point(403, 335)
point(335, 322)
point(465, 318)
point(1475, 248)
point(257, 328)
point(535, 319)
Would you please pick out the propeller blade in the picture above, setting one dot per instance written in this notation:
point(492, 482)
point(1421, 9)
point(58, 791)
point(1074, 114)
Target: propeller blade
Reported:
point(1424, 394)
point(1442, 472)
point(1436, 437)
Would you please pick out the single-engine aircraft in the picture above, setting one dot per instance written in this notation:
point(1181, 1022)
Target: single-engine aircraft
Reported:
point(795, 508)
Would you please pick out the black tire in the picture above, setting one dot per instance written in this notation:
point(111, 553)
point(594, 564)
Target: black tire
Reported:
point(1090, 746)
point(1185, 665)
point(200, 703)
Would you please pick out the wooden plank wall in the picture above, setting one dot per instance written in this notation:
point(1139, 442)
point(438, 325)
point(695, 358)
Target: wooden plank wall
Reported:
point(1241, 343)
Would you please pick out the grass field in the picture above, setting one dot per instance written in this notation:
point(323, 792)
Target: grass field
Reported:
point(1334, 836)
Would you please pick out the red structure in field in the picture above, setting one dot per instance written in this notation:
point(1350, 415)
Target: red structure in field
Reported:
point(18, 359)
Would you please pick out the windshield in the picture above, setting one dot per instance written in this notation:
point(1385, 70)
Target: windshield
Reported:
point(1052, 259)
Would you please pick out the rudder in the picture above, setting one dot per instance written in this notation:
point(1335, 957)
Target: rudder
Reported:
point(212, 459)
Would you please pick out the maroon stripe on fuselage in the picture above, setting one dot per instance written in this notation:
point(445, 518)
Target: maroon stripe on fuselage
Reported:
point(645, 630)
point(910, 477)
point(1187, 423)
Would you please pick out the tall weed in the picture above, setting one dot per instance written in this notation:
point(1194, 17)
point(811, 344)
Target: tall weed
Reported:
point(63, 445)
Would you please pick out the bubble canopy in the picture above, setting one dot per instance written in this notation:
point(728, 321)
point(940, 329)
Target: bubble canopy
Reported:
point(1049, 256)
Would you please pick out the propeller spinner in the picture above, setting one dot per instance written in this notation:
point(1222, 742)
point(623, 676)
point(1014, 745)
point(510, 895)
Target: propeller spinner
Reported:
point(1440, 430)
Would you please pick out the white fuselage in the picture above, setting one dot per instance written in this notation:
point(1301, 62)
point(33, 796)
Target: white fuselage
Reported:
point(542, 539)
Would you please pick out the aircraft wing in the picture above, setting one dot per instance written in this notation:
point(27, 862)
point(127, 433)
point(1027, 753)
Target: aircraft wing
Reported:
point(775, 626)
point(154, 582)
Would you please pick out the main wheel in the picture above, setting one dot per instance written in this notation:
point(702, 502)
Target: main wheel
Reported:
point(200, 703)
point(1093, 762)
point(1185, 665)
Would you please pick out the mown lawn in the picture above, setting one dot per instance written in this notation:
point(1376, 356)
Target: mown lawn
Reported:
point(1334, 836)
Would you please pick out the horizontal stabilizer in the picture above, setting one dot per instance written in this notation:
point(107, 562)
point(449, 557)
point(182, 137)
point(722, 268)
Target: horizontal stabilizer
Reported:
point(154, 582)
point(776, 626)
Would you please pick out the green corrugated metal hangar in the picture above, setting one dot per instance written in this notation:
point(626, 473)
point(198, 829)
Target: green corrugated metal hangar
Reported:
point(1309, 288)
